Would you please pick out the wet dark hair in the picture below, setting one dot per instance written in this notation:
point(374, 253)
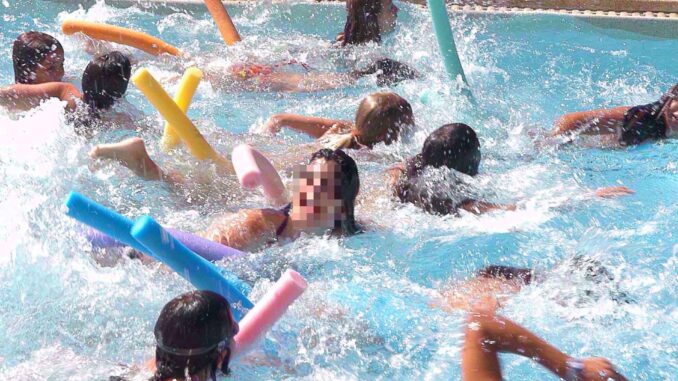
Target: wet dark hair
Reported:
point(389, 72)
point(362, 22)
point(189, 332)
point(506, 272)
point(349, 188)
point(454, 146)
point(594, 271)
point(30, 49)
point(647, 121)
point(105, 80)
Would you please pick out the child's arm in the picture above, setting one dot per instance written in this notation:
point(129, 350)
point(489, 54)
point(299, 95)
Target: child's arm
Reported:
point(593, 122)
point(246, 230)
point(486, 335)
point(311, 125)
point(481, 207)
point(22, 96)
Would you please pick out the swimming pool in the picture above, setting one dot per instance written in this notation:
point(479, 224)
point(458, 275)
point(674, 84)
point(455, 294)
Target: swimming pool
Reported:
point(65, 316)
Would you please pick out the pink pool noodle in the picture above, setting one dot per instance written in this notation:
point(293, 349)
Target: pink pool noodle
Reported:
point(253, 169)
point(268, 310)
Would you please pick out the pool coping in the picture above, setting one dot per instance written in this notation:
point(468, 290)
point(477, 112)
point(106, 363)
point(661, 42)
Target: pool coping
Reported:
point(485, 9)
point(673, 16)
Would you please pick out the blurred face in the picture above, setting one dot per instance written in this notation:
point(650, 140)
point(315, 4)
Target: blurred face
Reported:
point(388, 15)
point(50, 69)
point(671, 116)
point(316, 204)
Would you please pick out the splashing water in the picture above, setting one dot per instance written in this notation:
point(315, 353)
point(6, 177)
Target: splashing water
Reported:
point(368, 313)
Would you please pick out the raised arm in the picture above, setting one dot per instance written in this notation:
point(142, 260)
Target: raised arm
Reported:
point(23, 96)
point(486, 335)
point(311, 125)
point(593, 122)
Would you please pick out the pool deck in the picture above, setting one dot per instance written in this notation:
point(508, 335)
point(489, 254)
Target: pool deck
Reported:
point(657, 9)
point(619, 6)
point(660, 9)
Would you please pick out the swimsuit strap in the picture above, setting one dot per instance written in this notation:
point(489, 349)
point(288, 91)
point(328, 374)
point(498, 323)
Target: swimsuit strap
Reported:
point(286, 211)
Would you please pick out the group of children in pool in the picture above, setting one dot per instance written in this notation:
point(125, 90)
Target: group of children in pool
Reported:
point(194, 331)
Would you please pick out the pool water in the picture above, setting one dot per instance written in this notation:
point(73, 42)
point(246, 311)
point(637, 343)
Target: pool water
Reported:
point(368, 312)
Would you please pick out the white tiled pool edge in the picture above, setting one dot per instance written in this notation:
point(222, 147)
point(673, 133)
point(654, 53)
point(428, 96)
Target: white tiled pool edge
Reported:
point(576, 12)
point(467, 9)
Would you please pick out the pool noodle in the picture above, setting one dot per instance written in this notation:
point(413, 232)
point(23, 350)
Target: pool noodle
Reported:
point(103, 219)
point(220, 15)
point(254, 169)
point(183, 126)
point(187, 87)
point(120, 35)
point(448, 48)
point(268, 310)
point(210, 250)
point(197, 270)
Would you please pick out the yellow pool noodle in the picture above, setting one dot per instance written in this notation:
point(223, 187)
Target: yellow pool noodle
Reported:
point(189, 83)
point(189, 134)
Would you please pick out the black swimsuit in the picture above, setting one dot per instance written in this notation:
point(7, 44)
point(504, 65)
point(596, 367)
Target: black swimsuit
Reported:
point(642, 123)
point(286, 211)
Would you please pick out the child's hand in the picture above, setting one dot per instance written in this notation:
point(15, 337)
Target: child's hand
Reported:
point(600, 369)
point(611, 192)
point(271, 127)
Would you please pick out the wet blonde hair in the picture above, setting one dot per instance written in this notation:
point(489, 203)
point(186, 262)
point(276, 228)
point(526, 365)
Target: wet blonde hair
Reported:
point(381, 117)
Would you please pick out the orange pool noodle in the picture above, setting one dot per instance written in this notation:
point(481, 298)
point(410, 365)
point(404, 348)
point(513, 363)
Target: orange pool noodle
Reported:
point(120, 35)
point(223, 21)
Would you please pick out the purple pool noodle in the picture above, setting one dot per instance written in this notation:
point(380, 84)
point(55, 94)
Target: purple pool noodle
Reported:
point(212, 251)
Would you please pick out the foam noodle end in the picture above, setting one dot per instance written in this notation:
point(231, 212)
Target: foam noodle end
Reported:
point(145, 227)
point(269, 310)
point(140, 76)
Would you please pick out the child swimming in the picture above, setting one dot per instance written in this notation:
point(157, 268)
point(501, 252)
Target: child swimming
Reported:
point(427, 182)
point(273, 78)
point(494, 284)
point(194, 337)
point(104, 81)
point(323, 199)
point(436, 179)
point(37, 58)
point(366, 20)
point(625, 126)
point(380, 118)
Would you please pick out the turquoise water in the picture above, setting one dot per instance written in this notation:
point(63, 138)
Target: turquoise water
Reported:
point(66, 316)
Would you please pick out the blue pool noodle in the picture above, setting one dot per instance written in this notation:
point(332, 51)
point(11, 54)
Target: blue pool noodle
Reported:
point(197, 270)
point(103, 219)
point(443, 31)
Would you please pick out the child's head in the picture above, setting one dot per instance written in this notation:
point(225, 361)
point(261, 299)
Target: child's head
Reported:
point(194, 335)
point(362, 21)
point(105, 80)
point(382, 117)
point(366, 20)
point(325, 191)
point(388, 71)
point(37, 58)
point(454, 146)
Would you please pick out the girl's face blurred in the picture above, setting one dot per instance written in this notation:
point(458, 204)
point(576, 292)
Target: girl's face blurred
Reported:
point(315, 202)
point(50, 69)
point(671, 115)
point(387, 16)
